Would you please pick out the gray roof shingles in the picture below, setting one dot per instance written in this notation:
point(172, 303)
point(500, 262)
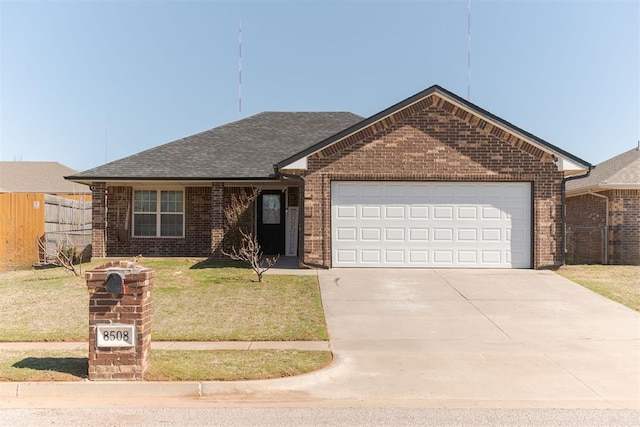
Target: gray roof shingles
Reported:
point(621, 171)
point(37, 177)
point(245, 149)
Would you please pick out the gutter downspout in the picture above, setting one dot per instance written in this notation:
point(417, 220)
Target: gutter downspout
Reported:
point(300, 179)
point(563, 198)
point(606, 225)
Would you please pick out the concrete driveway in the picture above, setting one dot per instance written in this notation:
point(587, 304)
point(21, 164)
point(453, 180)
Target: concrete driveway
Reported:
point(486, 337)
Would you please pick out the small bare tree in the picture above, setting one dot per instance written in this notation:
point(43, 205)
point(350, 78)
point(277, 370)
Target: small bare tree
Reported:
point(63, 254)
point(249, 251)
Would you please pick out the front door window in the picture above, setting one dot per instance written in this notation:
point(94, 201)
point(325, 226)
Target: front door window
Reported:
point(271, 209)
point(270, 221)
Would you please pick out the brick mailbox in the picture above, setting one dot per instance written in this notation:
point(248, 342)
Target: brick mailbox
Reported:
point(119, 320)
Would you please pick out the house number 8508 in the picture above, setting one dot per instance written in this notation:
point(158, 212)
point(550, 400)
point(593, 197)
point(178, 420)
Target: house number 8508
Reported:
point(115, 335)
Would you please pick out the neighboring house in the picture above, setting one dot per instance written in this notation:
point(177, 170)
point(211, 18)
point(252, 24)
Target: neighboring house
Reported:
point(603, 213)
point(38, 207)
point(433, 181)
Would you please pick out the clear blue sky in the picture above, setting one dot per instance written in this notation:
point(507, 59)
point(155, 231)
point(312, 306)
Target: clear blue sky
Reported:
point(87, 81)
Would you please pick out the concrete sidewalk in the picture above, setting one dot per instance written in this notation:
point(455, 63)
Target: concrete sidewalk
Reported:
point(181, 345)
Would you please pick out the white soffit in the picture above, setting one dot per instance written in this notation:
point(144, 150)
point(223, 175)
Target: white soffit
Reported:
point(298, 164)
point(567, 165)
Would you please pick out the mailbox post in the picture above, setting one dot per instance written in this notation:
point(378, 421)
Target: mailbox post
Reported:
point(119, 320)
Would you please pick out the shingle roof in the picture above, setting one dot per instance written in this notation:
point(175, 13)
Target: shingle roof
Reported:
point(621, 171)
point(38, 177)
point(247, 148)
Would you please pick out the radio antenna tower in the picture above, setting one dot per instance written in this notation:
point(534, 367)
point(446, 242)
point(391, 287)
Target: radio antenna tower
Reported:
point(240, 70)
point(468, 50)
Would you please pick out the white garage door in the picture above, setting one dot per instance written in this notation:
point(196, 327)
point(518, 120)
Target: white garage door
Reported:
point(431, 224)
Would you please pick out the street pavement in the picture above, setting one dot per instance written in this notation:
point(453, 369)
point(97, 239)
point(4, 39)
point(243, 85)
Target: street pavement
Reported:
point(432, 339)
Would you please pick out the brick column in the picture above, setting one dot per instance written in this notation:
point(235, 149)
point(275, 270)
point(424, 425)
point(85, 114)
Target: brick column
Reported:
point(217, 220)
point(119, 317)
point(98, 219)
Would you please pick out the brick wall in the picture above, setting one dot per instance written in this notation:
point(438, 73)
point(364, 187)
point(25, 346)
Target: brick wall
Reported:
point(245, 220)
point(98, 218)
point(624, 226)
point(434, 140)
point(585, 222)
point(207, 233)
point(202, 224)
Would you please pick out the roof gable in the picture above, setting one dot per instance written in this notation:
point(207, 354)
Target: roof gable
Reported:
point(455, 105)
point(619, 172)
point(37, 177)
point(245, 149)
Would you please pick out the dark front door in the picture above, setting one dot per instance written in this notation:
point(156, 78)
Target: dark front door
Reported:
point(270, 227)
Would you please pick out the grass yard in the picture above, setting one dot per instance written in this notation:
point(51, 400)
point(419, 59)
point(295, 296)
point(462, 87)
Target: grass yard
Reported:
point(40, 365)
point(192, 300)
point(620, 283)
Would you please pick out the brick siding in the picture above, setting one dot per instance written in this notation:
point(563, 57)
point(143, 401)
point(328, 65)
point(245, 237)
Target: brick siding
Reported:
point(201, 223)
point(98, 218)
point(206, 232)
point(586, 223)
point(433, 140)
point(246, 220)
point(624, 226)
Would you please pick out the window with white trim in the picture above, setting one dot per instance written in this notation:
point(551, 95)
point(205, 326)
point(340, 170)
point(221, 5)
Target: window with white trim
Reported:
point(158, 213)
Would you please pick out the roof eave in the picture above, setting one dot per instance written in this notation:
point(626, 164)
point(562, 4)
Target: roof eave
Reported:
point(601, 187)
point(89, 180)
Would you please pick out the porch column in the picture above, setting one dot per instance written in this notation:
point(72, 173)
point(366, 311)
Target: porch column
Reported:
point(217, 219)
point(98, 218)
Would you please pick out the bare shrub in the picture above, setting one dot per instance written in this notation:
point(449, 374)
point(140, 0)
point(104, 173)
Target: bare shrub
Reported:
point(249, 251)
point(63, 254)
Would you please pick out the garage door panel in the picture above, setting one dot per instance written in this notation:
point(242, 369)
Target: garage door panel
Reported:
point(418, 212)
point(346, 233)
point(491, 257)
point(420, 257)
point(371, 256)
point(346, 211)
point(467, 235)
point(467, 212)
point(467, 257)
point(395, 212)
point(443, 235)
point(443, 257)
point(370, 234)
point(491, 212)
point(443, 212)
point(426, 224)
point(346, 256)
point(419, 234)
point(395, 256)
point(370, 212)
point(394, 234)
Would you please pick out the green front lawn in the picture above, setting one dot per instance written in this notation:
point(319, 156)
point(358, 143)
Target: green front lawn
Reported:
point(169, 365)
point(620, 283)
point(192, 301)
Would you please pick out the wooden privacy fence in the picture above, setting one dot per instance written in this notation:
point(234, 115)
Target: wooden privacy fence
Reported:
point(67, 226)
point(34, 225)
